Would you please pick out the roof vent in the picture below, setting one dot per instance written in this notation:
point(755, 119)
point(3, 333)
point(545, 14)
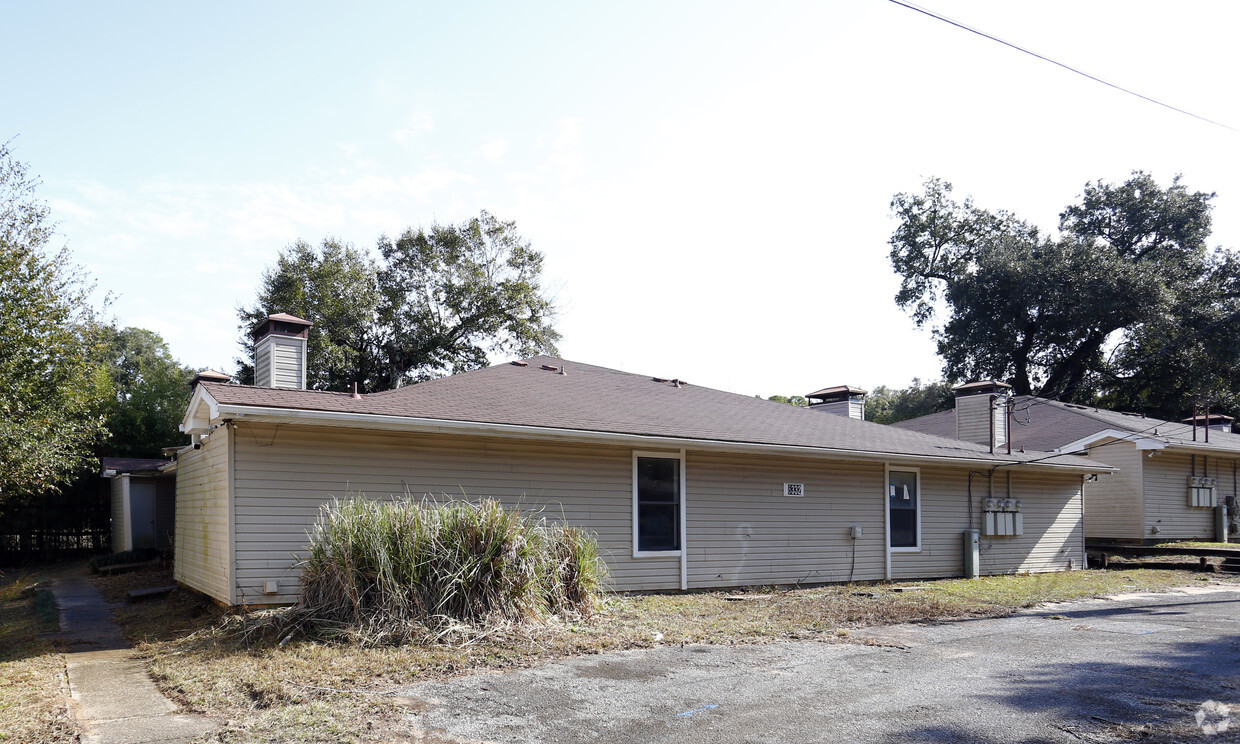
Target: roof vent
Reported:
point(842, 400)
point(1210, 422)
point(209, 375)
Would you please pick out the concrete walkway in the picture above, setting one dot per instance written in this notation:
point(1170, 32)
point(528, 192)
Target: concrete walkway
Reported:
point(113, 698)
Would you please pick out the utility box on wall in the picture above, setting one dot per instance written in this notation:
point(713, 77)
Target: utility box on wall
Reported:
point(1002, 518)
point(1202, 492)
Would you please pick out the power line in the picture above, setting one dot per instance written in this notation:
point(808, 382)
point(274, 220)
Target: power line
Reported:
point(1069, 68)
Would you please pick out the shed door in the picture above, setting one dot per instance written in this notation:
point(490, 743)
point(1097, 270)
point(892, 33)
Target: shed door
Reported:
point(142, 513)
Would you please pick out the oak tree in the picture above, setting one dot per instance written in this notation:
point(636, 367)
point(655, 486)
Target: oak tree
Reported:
point(1126, 305)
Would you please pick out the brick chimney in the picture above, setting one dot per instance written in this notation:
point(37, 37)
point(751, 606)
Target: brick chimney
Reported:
point(842, 400)
point(280, 351)
point(981, 412)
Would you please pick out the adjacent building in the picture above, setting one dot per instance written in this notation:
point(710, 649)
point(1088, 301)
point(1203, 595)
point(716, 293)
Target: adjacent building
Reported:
point(1173, 479)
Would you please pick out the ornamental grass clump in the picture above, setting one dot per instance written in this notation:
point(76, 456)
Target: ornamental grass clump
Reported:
point(389, 571)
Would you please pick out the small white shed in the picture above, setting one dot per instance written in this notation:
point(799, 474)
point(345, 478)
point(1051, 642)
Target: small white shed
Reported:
point(143, 503)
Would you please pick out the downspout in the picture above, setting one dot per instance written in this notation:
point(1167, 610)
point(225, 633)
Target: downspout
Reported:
point(887, 521)
point(684, 527)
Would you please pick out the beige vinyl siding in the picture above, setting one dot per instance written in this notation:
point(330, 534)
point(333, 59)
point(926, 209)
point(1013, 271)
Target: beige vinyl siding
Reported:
point(1166, 479)
point(262, 364)
point(202, 518)
point(742, 530)
point(975, 418)
point(1053, 539)
point(120, 525)
point(1052, 524)
point(1228, 480)
point(286, 358)
point(284, 474)
point(1114, 507)
point(165, 512)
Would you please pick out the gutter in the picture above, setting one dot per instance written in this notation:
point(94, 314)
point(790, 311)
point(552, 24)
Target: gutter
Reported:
point(263, 414)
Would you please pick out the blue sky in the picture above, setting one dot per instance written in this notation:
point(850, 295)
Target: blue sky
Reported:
point(709, 182)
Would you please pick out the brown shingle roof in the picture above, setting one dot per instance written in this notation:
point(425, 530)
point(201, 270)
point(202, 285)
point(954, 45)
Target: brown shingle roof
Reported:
point(132, 464)
point(597, 399)
point(1042, 424)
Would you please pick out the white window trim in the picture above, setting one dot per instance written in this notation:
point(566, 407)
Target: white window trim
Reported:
point(681, 496)
point(921, 502)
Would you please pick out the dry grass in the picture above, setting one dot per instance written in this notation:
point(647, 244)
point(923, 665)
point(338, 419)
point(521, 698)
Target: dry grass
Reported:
point(32, 707)
point(1200, 544)
point(318, 691)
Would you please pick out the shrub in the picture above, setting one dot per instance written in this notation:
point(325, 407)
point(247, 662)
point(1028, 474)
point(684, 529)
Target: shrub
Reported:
point(387, 571)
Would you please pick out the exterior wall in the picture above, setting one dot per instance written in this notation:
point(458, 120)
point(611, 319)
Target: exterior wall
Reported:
point(165, 512)
point(120, 524)
point(1052, 524)
point(1166, 478)
point(202, 518)
point(1229, 491)
point(742, 530)
point(1114, 507)
point(284, 474)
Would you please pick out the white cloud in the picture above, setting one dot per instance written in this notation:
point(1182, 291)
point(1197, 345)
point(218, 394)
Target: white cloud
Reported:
point(416, 125)
point(494, 149)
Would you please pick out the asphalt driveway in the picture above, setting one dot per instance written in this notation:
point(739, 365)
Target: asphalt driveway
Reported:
point(1128, 668)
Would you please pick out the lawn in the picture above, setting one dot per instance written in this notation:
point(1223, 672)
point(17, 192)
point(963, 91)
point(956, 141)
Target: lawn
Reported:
point(308, 690)
point(32, 707)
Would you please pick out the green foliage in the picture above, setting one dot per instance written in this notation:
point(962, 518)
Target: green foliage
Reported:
point(52, 387)
point(1126, 304)
point(794, 400)
point(436, 302)
point(382, 571)
point(887, 406)
point(151, 390)
point(456, 292)
point(335, 287)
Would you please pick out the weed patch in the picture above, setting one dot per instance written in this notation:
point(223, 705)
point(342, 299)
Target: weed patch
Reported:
point(384, 572)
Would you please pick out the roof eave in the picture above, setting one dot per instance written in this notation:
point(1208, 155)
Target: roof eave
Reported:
point(264, 414)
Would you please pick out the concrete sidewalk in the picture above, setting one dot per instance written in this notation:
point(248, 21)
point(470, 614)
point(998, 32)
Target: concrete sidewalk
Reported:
point(113, 698)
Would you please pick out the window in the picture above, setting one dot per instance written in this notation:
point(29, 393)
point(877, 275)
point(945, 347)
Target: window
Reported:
point(902, 511)
point(656, 496)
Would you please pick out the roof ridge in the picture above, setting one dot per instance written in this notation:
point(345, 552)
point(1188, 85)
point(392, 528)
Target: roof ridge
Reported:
point(413, 385)
point(234, 385)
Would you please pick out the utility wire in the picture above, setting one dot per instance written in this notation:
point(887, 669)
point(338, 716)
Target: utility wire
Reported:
point(1069, 68)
